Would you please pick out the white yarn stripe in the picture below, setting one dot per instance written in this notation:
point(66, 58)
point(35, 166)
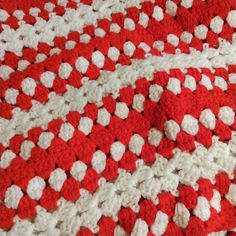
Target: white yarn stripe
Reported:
point(57, 26)
point(110, 83)
point(147, 181)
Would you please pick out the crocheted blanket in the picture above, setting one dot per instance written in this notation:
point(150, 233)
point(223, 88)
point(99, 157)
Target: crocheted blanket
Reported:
point(117, 117)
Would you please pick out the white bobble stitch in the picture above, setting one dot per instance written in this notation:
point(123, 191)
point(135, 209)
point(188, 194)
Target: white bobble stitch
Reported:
point(173, 39)
point(144, 46)
point(103, 117)
point(201, 31)
point(65, 70)
point(99, 161)
point(186, 37)
point(85, 38)
point(66, 131)
point(227, 115)
point(129, 24)
point(47, 79)
point(171, 8)
point(35, 187)
point(121, 110)
point(190, 83)
point(174, 85)
point(215, 201)
point(143, 19)
point(206, 82)
point(171, 129)
point(117, 150)
point(207, 118)
point(160, 224)
point(190, 125)
point(140, 228)
point(231, 195)
point(202, 210)
point(81, 65)
point(154, 136)
point(181, 216)
point(216, 24)
point(70, 44)
point(99, 32)
point(57, 179)
point(155, 92)
point(28, 86)
point(231, 18)
point(136, 143)
point(5, 71)
point(11, 95)
point(129, 48)
point(3, 15)
point(45, 139)
point(78, 170)
point(232, 78)
point(85, 125)
point(98, 59)
point(187, 3)
point(114, 28)
point(26, 148)
point(13, 196)
point(113, 53)
point(138, 102)
point(6, 158)
point(221, 83)
point(158, 13)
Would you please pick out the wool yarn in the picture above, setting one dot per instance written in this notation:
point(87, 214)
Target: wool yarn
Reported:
point(118, 117)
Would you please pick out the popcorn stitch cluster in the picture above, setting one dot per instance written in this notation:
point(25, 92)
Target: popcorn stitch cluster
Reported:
point(118, 118)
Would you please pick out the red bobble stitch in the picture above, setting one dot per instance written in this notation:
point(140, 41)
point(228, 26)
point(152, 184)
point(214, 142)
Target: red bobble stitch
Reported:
point(109, 103)
point(53, 63)
point(59, 85)
point(227, 32)
point(12, 22)
point(29, 19)
point(44, 14)
point(222, 130)
point(120, 129)
point(138, 122)
point(11, 60)
point(139, 53)
point(111, 169)
point(73, 117)
point(147, 211)
point(49, 199)
point(127, 219)
point(195, 227)
point(41, 93)
point(71, 189)
point(44, 48)
point(66, 158)
point(109, 65)
point(29, 54)
point(3, 87)
point(204, 136)
point(187, 196)
point(118, 18)
point(20, 172)
point(55, 125)
point(166, 147)
point(161, 78)
point(41, 162)
point(85, 231)
point(166, 203)
point(23, 101)
point(128, 161)
point(102, 138)
point(205, 188)
point(124, 60)
point(133, 13)
point(4, 183)
point(75, 79)
point(185, 141)
point(92, 72)
point(74, 36)
point(90, 181)
point(15, 143)
point(91, 111)
point(147, 8)
point(142, 86)
point(106, 226)
point(197, 43)
point(34, 133)
point(222, 183)
point(104, 24)
point(89, 29)
point(5, 110)
point(60, 10)
point(6, 217)
point(26, 207)
point(148, 153)
point(126, 95)
point(212, 39)
point(173, 229)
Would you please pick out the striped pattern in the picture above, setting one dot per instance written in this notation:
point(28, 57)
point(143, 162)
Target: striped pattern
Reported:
point(118, 117)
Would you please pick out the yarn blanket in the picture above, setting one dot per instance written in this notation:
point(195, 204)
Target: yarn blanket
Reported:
point(117, 117)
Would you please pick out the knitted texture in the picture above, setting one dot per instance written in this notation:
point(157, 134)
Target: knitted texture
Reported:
point(117, 117)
